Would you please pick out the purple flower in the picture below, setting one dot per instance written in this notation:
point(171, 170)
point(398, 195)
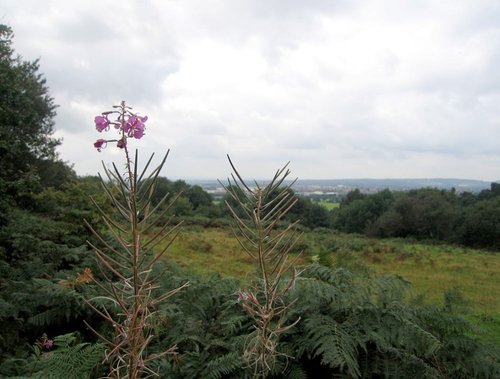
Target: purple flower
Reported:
point(127, 124)
point(100, 144)
point(45, 342)
point(101, 123)
point(134, 127)
point(139, 132)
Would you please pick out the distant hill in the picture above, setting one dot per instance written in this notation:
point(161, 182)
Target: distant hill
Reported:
point(460, 185)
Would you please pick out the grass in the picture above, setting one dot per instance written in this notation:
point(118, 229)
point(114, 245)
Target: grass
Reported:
point(210, 250)
point(487, 327)
point(432, 269)
point(328, 205)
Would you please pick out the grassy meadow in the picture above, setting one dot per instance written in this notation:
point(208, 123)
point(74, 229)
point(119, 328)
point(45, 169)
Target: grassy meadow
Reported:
point(328, 205)
point(430, 268)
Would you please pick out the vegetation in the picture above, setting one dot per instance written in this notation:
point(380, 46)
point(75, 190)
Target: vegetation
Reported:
point(42, 238)
point(257, 213)
point(427, 214)
point(356, 320)
point(128, 298)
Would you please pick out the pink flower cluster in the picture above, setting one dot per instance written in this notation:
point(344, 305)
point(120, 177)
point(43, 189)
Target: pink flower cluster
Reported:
point(45, 342)
point(129, 126)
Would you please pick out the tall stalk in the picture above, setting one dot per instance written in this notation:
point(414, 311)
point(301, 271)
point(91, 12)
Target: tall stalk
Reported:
point(130, 297)
point(258, 212)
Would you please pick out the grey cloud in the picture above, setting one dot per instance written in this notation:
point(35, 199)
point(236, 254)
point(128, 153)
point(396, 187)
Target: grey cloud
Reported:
point(85, 28)
point(397, 105)
point(299, 9)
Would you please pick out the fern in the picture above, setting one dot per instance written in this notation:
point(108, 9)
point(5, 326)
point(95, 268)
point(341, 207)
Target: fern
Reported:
point(358, 328)
point(224, 365)
point(330, 341)
point(294, 371)
point(76, 362)
point(210, 329)
point(69, 359)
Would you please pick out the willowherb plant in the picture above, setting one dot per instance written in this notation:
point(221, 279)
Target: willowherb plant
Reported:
point(257, 212)
point(129, 291)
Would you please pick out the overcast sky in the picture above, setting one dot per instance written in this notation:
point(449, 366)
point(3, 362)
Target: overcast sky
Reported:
point(342, 89)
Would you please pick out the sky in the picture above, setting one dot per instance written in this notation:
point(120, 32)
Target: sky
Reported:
point(338, 88)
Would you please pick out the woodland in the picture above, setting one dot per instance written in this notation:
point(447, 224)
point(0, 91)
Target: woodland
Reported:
point(297, 309)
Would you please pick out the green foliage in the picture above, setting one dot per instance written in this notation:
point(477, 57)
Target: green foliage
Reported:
point(65, 359)
point(208, 327)
point(350, 327)
point(428, 214)
point(189, 199)
point(39, 243)
point(36, 253)
point(331, 342)
point(368, 329)
point(481, 226)
point(358, 212)
point(198, 197)
point(310, 214)
point(27, 112)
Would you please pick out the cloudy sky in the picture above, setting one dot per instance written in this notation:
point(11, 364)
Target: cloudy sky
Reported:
point(341, 88)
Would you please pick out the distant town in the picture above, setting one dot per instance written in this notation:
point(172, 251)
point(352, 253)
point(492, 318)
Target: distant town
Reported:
point(331, 188)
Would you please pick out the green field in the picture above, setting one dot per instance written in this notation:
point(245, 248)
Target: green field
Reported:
point(328, 205)
point(431, 269)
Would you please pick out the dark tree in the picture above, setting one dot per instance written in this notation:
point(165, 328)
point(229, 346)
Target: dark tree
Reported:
point(353, 196)
point(486, 194)
point(423, 213)
point(41, 231)
point(358, 212)
point(198, 197)
point(27, 148)
point(481, 226)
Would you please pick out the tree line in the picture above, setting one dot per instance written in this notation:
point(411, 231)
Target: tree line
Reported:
point(195, 205)
point(429, 214)
point(469, 219)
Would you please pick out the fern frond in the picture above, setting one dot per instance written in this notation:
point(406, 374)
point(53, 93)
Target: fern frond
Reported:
point(77, 362)
point(224, 365)
point(294, 371)
point(331, 342)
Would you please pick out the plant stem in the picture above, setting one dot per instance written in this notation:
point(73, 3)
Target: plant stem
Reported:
point(134, 330)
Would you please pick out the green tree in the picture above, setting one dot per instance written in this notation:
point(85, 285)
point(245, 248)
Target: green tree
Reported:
point(162, 187)
point(486, 194)
point(39, 243)
point(358, 212)
point(198, 197)
point(27, 115)
point(427, 213)
point(481, 225)
point(353, 196)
